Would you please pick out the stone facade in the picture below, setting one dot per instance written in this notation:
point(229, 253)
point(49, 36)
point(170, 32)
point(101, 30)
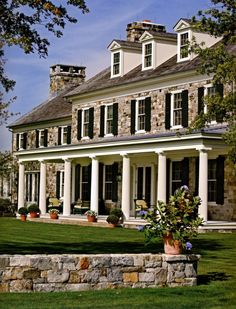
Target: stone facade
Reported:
point(49, 273)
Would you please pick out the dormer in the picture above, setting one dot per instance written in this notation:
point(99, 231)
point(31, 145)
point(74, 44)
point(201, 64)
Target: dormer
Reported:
point(125, 56)
point(185, 34)
point(157, 47)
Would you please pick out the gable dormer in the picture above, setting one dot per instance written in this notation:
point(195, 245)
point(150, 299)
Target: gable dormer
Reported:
point(185, 34)
point(125, 56)
point(157, 47)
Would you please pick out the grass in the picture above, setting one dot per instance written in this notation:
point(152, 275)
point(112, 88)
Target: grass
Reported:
point(216, 281)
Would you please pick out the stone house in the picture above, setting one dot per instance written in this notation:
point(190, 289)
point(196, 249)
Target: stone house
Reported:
point(121, 135)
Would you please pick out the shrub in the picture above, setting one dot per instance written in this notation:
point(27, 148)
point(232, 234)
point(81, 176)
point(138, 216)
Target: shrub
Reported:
point(33, 208)
point(23, 211)
point(117, 212)
point(113, 219)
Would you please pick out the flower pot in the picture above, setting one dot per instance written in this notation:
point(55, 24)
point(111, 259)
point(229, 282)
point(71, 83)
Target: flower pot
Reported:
point(23, 217)
point(34, 215)
point(91, 219)
point(171, 246)
point(54, 215)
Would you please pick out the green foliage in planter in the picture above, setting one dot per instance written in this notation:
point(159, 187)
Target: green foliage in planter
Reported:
point(117, 212)
point(113, 219)
point(23, 211)
point(33, 208)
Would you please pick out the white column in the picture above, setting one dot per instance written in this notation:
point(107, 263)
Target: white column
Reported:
point(153, 184)
point(94, 184)
point(161, 181)
point(21, 185)
point(67, 188)
point(125, 202)
point(73, 184)
point(42, 188)
point(203, 183)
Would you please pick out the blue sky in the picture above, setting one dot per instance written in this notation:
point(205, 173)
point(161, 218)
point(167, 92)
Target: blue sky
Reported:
point(85, 43)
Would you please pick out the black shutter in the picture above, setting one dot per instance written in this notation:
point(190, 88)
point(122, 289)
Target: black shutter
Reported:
point(77, 182)
point(37, 139)
point(68, 137)
point(148, 114)
point(200, 100)
point(196, 175)
point(79, 124)
point(185, 172)
point(115, 119)
point(185, 108)
point(133, 106)
point(25, 140)
point(220, 180)
point(91, 120)
point(17, 141)
point(100, 183)
point(58, 184)
point(167, 111)
point(59, 136)
point(102, 118)
point(45, 138)
point(167, 180)
point(114, 182)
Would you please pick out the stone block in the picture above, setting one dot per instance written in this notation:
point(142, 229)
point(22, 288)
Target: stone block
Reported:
point(130, 277)
point(190, 271)
point(179, 274)
point(19, 260)
point(23, 285)
point(68, 266)
point(146, 277)
point(4, 262)
point(114, 274)
point(74, 277)
point(101, 261)
point(138, 260)
point(4, 287)
point(122, 261)
point(42, 263)
point(160, 276)
point(153, 260)
point(13, 273)
point(56, 277)
point(77, 287)
point(91, 276)
point(31, 274)
point(83, 263)
point(48, 287)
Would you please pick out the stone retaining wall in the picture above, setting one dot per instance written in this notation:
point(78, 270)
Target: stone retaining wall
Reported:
point(49, 273)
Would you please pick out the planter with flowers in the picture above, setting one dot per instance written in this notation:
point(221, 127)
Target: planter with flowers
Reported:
point(23, 211)
point(176, 222)
point(53, 213)
point(91, 216)
point(34, 210)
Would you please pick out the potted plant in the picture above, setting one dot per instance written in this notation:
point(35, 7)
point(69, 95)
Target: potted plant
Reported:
point(91, 215)
point(53, 213)
point(113, 220)
point(34, 210)
point(176, 222)
point(23, 211)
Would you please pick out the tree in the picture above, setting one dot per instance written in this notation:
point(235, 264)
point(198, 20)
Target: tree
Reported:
point(21, 24)
point(220, 62)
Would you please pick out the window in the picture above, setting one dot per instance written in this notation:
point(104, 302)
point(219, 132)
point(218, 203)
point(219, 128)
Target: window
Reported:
point(108, 181)
point(183, 49)
point(85, 185)
point(85, 119)
point(140, 115)
point(143, 183)
point(21, 141)
point(116, 63)
point(140, 120)
point(32, 187)
point(62, 177)
point(148, 55)
point(85, 127)
point(64, 135)
point(64, 132)
point(109, 119)
point(176, 179)
point(212, 180)
point(41, 138)
point(209, 90)
point(176, 110)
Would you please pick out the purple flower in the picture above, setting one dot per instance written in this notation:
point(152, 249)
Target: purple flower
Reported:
point(188, 246)
point(184, 188)
point(142, 213)
point(141, 228)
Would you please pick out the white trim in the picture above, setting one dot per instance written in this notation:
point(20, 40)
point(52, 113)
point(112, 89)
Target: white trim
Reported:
point(62, 135)
point(184, 31)
point(172, 127)
point(120, 52)
point(40, 133)
point(137, 131)
point(105, 120)
point(152, 56)
point(82, 124)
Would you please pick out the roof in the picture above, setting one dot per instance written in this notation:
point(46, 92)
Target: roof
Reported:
point(128, 44)
point(157, 34)
point(52, 109)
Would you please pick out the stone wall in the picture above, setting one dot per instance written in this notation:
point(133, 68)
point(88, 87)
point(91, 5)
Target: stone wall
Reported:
point(48, 273)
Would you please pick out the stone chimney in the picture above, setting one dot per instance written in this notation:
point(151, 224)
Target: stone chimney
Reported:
point(137, 28)
point(65, 76)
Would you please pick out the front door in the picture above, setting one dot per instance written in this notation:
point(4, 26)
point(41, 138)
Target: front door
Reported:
point(143, 183)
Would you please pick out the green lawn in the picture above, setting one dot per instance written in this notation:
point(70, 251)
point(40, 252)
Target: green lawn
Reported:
point(217, 267)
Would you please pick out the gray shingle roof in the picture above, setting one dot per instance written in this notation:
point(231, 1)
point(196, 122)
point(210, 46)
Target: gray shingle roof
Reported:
point(128, 44)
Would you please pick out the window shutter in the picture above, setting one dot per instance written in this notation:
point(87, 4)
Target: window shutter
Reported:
point(46, 138)
point(58, 184)
point(102, 116)
point(115, 119)
point(114, 182)
point(133, 106)
point(59, 136)
point(17, 141)
point(68, 138)
point(79, 124)
point(196, 175)
point(185, 172)
point(37, 139)
point(167, 180)
point(148, 114)
point(91, 120)
point(167, 111)
point(185, 108)
point(200, 100)
point(220, 180)
point(77, 182)
point(25, 140)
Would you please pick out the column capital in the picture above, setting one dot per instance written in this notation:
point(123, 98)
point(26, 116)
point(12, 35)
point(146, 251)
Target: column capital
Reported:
point(21, 162)
point(67, 159)
point(203, 149)
point(42, 161)
point(124, 154)
point(93, 157)
point(160, 151)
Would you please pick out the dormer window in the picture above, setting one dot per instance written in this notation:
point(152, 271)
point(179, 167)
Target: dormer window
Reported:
point(147, 56)
point(116, 64)
point(184, 39)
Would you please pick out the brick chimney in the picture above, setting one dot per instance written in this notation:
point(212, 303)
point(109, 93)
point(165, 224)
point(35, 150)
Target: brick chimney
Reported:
point(136, 29)
point(65, 76)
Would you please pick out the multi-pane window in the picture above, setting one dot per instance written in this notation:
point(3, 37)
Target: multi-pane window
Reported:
point(22, 140)
point(64, 132)
point(62, 177)
point(116, 63)
point(32, 184)
point(176, 180)
point(85, 123)
point(184, 39)
point(108, 181)
point(212, 179)
point(177, 109)
point(41, 138)
point(148, 55)
point(109, 119)
point(209, 91)
point(85, 183)
point(140, 115)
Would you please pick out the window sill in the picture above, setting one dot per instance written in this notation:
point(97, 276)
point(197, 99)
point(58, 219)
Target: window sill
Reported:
point(176, 127)
point(140, 132)
point(84, 138)
point(109, 135)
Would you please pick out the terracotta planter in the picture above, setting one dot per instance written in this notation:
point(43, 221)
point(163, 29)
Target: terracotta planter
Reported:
point(34, 215)
point(54, 215)
point(91, 219)
point(23, 217)
point(112, 225)
point(172, 247)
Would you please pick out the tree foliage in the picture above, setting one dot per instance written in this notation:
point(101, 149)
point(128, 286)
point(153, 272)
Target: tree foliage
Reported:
point(219, 62)
point(22, 23)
